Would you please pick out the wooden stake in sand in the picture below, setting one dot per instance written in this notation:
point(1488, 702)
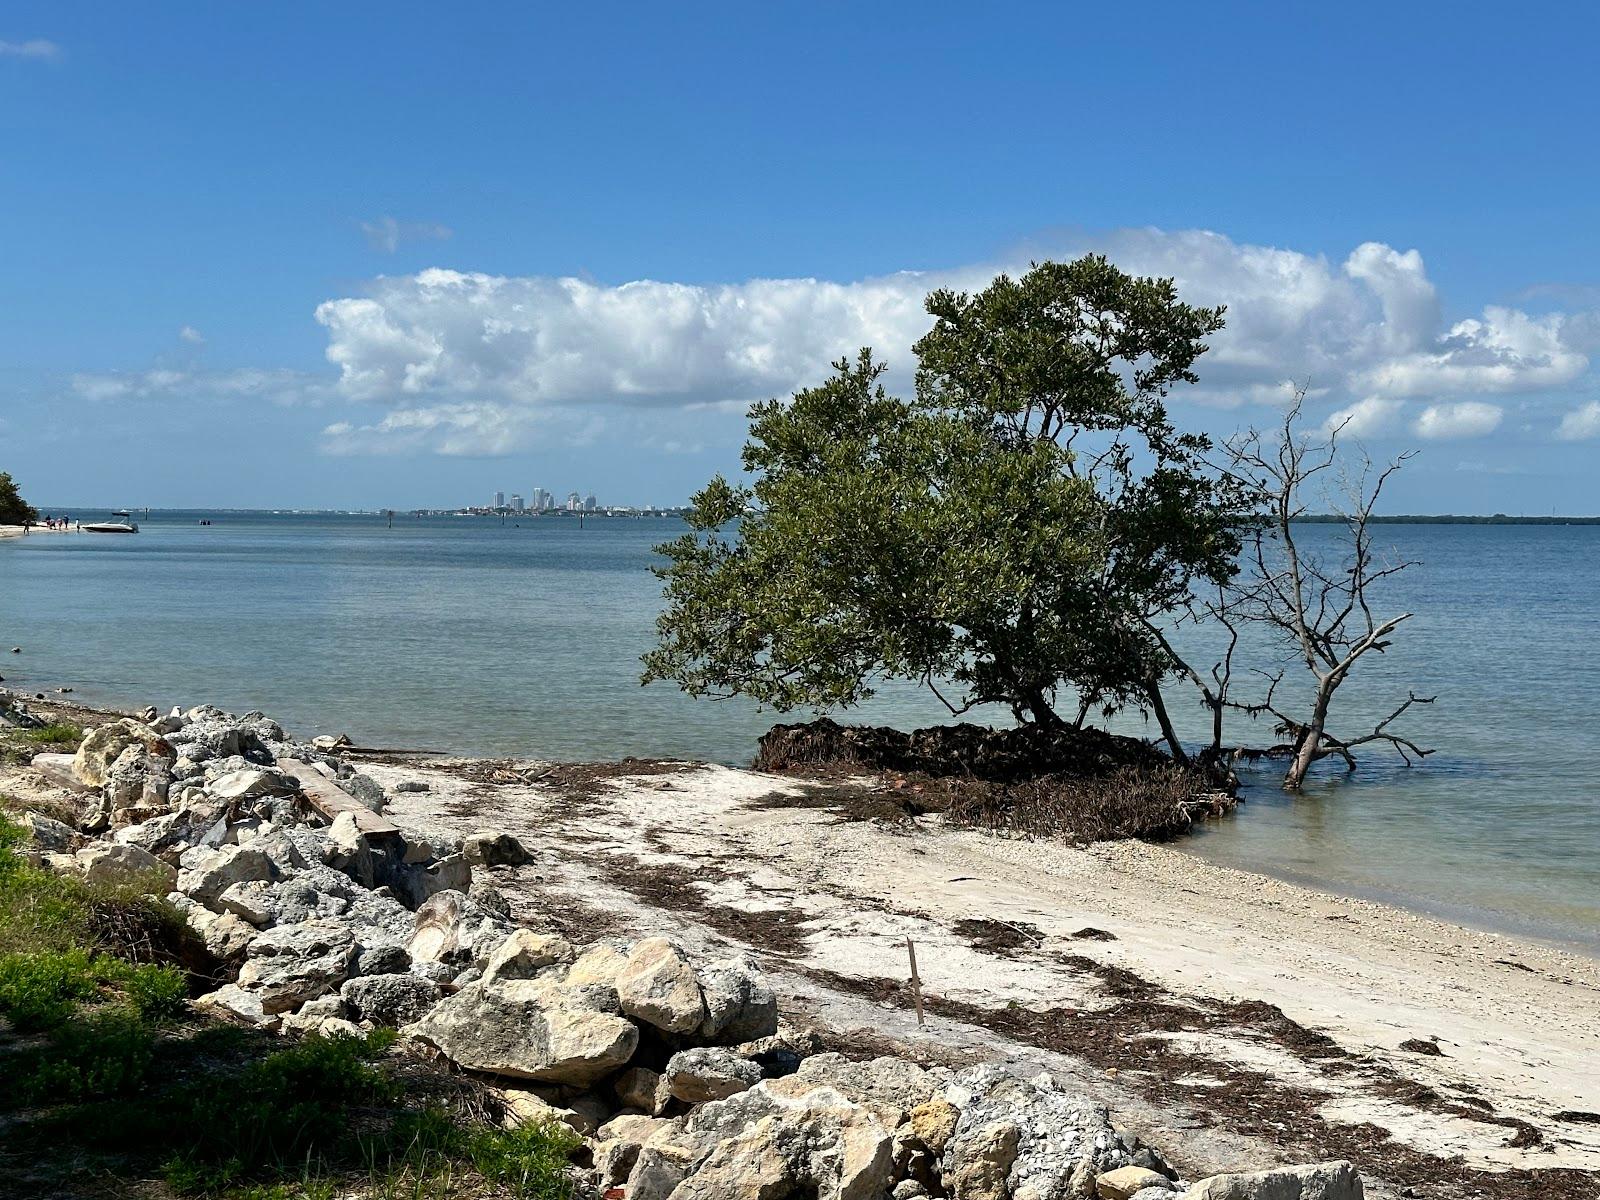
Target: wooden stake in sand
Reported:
point(916, 980)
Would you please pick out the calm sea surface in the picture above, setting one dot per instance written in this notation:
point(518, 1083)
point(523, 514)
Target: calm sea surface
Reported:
point(487, 638)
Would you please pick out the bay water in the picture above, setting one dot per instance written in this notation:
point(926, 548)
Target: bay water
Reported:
point(523, 637)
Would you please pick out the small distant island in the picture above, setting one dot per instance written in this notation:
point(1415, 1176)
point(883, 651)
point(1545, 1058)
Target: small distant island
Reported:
point(1451, 519)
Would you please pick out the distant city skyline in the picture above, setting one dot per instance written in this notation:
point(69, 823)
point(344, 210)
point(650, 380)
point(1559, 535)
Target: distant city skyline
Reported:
point(222, 296)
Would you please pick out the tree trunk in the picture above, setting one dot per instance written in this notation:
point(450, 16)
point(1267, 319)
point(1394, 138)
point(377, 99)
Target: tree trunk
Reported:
point(1307, 752)
point(1158, 706)
point(1039, 710)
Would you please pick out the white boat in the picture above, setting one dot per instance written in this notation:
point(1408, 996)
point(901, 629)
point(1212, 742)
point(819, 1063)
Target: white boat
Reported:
point(125, 525)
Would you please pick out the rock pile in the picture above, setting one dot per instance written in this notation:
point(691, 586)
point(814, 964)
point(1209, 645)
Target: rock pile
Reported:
point(673, 1070)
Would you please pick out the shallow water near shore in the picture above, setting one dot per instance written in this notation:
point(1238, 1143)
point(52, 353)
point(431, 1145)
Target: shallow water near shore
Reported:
point(523, 638)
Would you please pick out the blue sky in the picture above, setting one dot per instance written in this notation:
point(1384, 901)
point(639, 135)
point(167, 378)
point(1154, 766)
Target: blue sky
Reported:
point(405, 254)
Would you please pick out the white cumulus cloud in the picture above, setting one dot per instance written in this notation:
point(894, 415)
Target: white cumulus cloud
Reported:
point(1581, 423)
point(277, 385)
point(493, 352)
point(35, 48)
point(1464, 419)
point(1367, 418)
point(192, 335)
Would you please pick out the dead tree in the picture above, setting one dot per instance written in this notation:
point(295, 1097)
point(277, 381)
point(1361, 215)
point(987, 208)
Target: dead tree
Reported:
point(1322, 608)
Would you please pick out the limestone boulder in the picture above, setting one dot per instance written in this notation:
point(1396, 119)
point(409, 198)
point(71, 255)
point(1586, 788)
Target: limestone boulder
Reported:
point(933, 1123)
point(760, 1143)
point(450, 927)
point(235, 1002)
point(1126, 1182)
point(118, 865)
point(599, 963)
point(657, 985)
point(392, 1000)
point(206, 872)
point(534, 1029)
point(889, 1087)
point(252, 901)
point(103, 745)
point(1026, 1137)
point(525, 954)
point(1338, 1180)
point(740, 1007)
point(290, 964)
point(705, 1073)
point(529, 1108)
point(617, 1146)
point(494, 850)
point(165, 836)
point(249, 783)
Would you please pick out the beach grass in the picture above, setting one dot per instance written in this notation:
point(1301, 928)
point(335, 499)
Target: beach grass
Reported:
point(110, 1072)
point(58, 733)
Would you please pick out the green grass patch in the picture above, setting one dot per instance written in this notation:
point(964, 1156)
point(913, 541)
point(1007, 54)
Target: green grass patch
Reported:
point(59, 734)
point(106, 1073)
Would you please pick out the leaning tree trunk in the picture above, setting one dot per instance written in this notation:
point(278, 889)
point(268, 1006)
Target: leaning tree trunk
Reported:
point(1158, 706)
point(1311, 742)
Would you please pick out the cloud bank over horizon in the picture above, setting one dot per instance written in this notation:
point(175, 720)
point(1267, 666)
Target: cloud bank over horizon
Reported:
point(475, 363)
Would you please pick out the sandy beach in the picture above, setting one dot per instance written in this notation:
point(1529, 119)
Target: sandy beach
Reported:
point(1504, 1083)
point(1239, 1019)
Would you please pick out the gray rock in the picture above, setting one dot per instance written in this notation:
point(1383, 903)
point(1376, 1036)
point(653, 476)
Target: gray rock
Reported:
point(50, 834)
point(164, 836)
point(416, 884)
point(705, 1073)
point(290, 964)
point(117, 865)
point(207, 873)
point(889, 1087)
point(490, 897)
point(532, 1029)
point(1034, 1136)
point(486, 849)
point(236, 1002)
point(1336, 1180)
point(383, 960)
point(393, 1000)
point(365, 789)
point(451, 928)
point(740, 1007)
point(251, 901)
point(658, 986)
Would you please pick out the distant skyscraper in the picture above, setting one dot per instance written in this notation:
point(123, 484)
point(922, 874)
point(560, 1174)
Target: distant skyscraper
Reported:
point(499, 499)
point(516, 503)
point(574, 502)
point(589, 504)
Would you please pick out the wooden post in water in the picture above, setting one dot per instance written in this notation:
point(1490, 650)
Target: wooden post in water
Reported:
point(916, 980)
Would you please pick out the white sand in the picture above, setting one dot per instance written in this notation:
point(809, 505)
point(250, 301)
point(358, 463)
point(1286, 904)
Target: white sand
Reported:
point(1525, 1038)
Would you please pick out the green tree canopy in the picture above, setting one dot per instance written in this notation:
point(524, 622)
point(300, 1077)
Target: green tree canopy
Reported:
point(1001, 537)
point(13, 509)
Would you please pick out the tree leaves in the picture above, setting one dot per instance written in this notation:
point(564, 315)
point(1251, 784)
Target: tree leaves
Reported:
point(1006, 530)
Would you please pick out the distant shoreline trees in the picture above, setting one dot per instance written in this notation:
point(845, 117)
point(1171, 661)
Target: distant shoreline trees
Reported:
point(14, 510)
